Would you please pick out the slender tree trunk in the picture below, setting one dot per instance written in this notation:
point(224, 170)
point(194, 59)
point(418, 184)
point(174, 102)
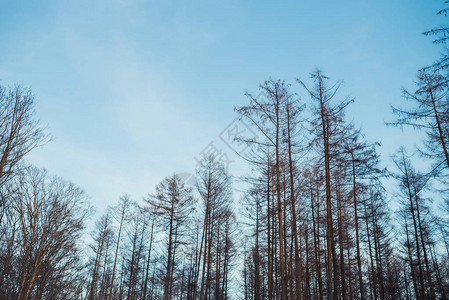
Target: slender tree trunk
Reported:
point(205, 257)
point(103, 277)
point(426, 260)
point(172, 270)
point(316, 241)
point(209, 255)
point(225, 263)
point(279, 203)
point(349, 273)
point(257, 295)
point(198, 264)
point(133, 265)
point(293, 199)
point(373, 276)
point(116, 250)
point(270, 268)
point(332, 292)
point(149, 260)
point(217, 265)
point(308, 287)
point(410, 258)
point(437, 271)
point(169, 255)
point(356, 225)
point(340, 238)
point(93, 285)
point(378, 256)
point(415, 226)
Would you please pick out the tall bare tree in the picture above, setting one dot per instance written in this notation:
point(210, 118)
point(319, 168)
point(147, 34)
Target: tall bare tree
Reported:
point(266, 113)
point(120, 211)
point(412, 184)
point(214, 187)
point(330, 133)
point(174, 203)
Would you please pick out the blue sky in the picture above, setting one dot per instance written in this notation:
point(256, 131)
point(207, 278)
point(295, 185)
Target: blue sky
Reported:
point(132, 91)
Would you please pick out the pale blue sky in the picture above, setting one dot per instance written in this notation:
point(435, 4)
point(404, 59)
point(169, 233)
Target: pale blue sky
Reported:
point(133, 90)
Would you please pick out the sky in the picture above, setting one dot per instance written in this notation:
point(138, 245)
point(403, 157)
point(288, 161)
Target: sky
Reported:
point(133, 91)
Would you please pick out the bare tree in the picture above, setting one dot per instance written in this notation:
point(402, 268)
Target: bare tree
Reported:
point(174, 203)
point(412, 184)
point(102, 237)
point(20, 131)
point(119, 211)
point(51, 214)
point(330, 131)
point(266, 113)
point(214, 187)
point(362, 164)
point(152, 215)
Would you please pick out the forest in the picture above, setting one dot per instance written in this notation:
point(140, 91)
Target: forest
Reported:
point(315, 220)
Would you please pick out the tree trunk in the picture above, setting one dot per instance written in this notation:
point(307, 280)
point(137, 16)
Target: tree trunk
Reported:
point(279, 208)
point(116, 249)
point(293, 199)
point(356, 225)
point(149, 260)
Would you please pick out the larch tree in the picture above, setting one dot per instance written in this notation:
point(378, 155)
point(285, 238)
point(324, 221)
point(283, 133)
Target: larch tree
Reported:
point(329, 132)
point(120, 212)
point(102, 236)
point(363, 162)
point(412, 185)
point(174, 202)
point(214, 187)
point(266, 113)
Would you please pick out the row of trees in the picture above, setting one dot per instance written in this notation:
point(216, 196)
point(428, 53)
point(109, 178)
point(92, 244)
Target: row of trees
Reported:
point(160, 249)
point(317, 209)
point(170, 247)
point(321, 227)
point(315, 223)
point(315, 186)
